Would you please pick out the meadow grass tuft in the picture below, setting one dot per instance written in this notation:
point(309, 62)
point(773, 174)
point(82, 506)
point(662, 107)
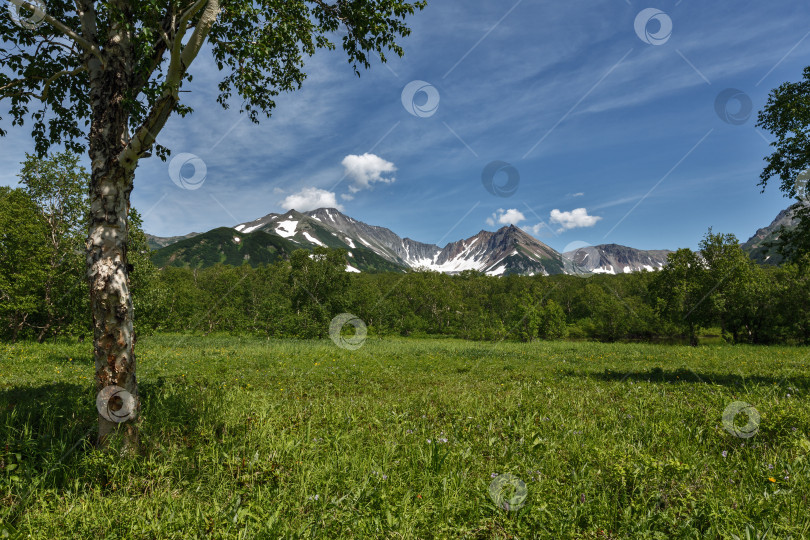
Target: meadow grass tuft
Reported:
point(254, 438)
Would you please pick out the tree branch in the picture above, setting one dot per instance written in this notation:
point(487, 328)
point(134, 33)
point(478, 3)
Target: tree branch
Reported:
point(67, 31)
point(44, 95)
point(200, 33)
point(181, 59)
point(59, 74)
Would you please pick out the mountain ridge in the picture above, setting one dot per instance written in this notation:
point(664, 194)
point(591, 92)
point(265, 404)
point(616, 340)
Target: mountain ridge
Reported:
point(371, 248)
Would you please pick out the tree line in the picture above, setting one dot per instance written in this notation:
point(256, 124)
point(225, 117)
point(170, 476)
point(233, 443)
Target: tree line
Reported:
point(44, 294)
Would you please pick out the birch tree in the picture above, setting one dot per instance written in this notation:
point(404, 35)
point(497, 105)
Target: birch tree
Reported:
point(104, 77)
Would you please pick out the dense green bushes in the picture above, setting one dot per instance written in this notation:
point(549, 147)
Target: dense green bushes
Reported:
point(746, 302)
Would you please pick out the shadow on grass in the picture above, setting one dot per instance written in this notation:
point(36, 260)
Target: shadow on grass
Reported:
point(684, 375)
point(41, 406)
point(48, 434)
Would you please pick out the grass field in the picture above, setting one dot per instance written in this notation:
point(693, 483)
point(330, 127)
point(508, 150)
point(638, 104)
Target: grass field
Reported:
point(249, 438)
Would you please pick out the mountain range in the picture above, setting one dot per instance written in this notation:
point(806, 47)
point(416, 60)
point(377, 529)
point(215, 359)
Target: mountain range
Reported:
point(372, 248)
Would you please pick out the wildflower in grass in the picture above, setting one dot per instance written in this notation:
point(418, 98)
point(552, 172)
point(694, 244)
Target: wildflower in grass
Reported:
point(772, 479)
point(770, 466)
point(442, 440)
point(724, 453)
point(429, 441)
point(493, 475)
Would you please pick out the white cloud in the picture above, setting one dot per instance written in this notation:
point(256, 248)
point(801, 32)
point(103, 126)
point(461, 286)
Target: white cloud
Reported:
point(346, 197)
point(580, 194)
point(575, 218)
point(310, 198)
point(513, 216)
point(367, 169)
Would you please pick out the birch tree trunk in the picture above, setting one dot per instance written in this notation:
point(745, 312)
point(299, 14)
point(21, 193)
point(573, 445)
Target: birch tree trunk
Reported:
point(106, 247)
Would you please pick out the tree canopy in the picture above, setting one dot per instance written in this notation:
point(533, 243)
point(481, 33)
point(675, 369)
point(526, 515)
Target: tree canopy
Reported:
point(787, 117)
point(259, 46)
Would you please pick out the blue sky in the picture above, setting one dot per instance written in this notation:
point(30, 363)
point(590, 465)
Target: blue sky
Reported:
point(586, 113)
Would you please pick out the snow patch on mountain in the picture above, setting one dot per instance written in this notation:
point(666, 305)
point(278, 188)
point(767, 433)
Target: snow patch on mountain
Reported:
point(286, 228)
point(313, 239)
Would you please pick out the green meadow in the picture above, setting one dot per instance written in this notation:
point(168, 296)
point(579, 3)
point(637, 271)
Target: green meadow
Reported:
point(408, 438)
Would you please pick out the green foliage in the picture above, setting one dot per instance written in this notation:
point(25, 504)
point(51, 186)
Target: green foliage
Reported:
point(318, 282)
point(787, 117)
point(42, 282)
point(793, 244)
point(249, 437)
point(23, 261)
point(260, 46)
point(552, 321)
point(57, 185)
